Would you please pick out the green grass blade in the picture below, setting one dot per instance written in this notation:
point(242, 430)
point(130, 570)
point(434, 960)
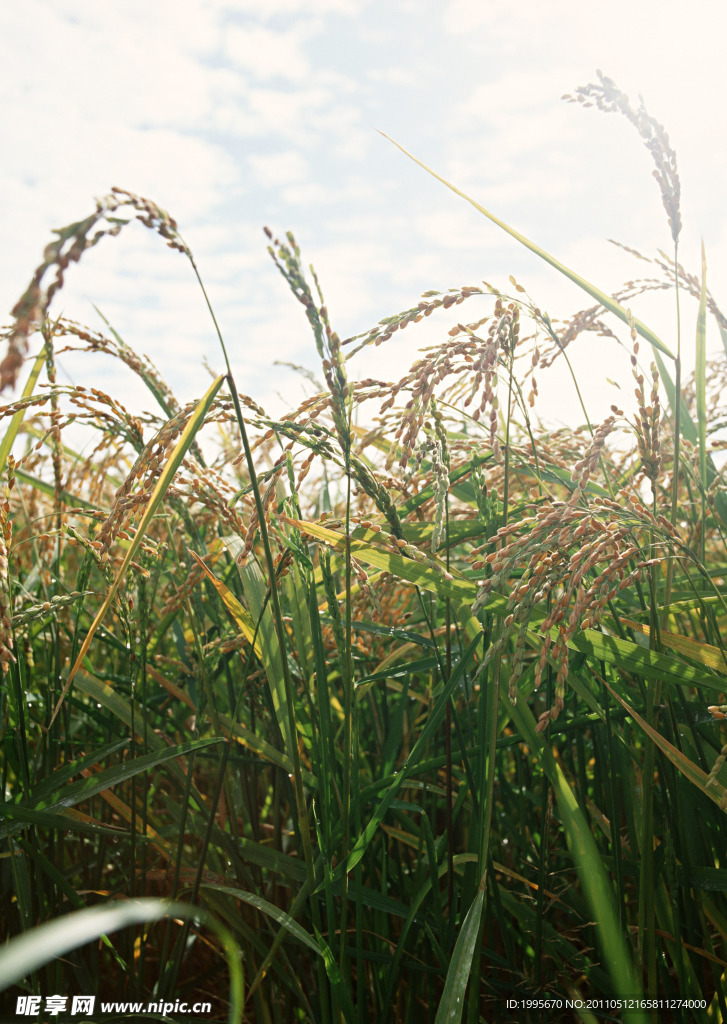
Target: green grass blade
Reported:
point(19, 818)
point(25, 954)
point(609, 303)
point(118, 705)
point(700, 385)
point(67, 796)
point(460, 966)
point(631, 657)
point(84, 789)
point(338, 985)
point(433, 720)
point(255, 588)
point(43, 790)
point(596, 886)
point(697, 650)
point(273, 912)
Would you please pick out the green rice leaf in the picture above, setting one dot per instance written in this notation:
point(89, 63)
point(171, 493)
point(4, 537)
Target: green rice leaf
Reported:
point(706, 654)
point(18, 817)
point(432, 722)
point(84, 789)
point(617, 957)
point(336, 979)
point(460, 966)
point(609, 303)
point(278, 915)
point(23, 955)
point(641, 661)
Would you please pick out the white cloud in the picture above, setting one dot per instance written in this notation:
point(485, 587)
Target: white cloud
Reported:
point(272, 170)
point(301, 116)
point(396, 76)
point(274, 8)
point(311, 193)
point(265, 53)
point(234, 114)
point(137, 60)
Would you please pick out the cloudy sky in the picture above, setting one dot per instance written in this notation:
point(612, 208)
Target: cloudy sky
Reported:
point(233, 114)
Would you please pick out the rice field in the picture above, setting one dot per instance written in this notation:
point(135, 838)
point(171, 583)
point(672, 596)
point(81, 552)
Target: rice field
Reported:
point(400, 707)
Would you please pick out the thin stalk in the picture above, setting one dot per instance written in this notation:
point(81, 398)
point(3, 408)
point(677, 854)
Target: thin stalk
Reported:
point(448, 736)
point(611, 794)
point(677, 433)
point(646, 935)
point(143, 680)
point(448, 809)
point(545, 805)
point(347, 730)
point(646, 922)
point(485, 854)
point(571, 371)
point(506, 483)
point(301, 806)
point(556, 339)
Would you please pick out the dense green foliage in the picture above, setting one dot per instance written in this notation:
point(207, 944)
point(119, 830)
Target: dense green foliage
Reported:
point(408, 707)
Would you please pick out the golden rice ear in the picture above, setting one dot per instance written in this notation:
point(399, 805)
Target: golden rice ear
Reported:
point(31, 309)
point(606, 96)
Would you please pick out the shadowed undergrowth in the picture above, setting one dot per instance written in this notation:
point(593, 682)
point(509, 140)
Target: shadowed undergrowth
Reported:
point(396, 708)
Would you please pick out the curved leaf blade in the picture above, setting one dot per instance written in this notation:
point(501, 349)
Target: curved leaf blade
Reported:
point(22, 955)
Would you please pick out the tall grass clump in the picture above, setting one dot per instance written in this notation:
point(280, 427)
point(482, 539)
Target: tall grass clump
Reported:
point(398, 707)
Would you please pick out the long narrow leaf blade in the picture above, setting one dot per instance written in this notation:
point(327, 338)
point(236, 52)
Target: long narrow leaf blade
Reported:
point(433, 720)
point(700, 373)
point(609, 303)
point(22, 955)
point(165, 479)
point(460, 966)
point(589, 865)
point(12, 432)
point(239, 614)
point(715, 790)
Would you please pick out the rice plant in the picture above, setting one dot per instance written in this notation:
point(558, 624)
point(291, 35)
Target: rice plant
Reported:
point(402, 706)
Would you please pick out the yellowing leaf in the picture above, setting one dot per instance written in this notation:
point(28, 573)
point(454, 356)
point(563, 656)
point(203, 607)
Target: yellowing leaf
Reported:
point(705, 654)
point(167, 475)
point(239, 614)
